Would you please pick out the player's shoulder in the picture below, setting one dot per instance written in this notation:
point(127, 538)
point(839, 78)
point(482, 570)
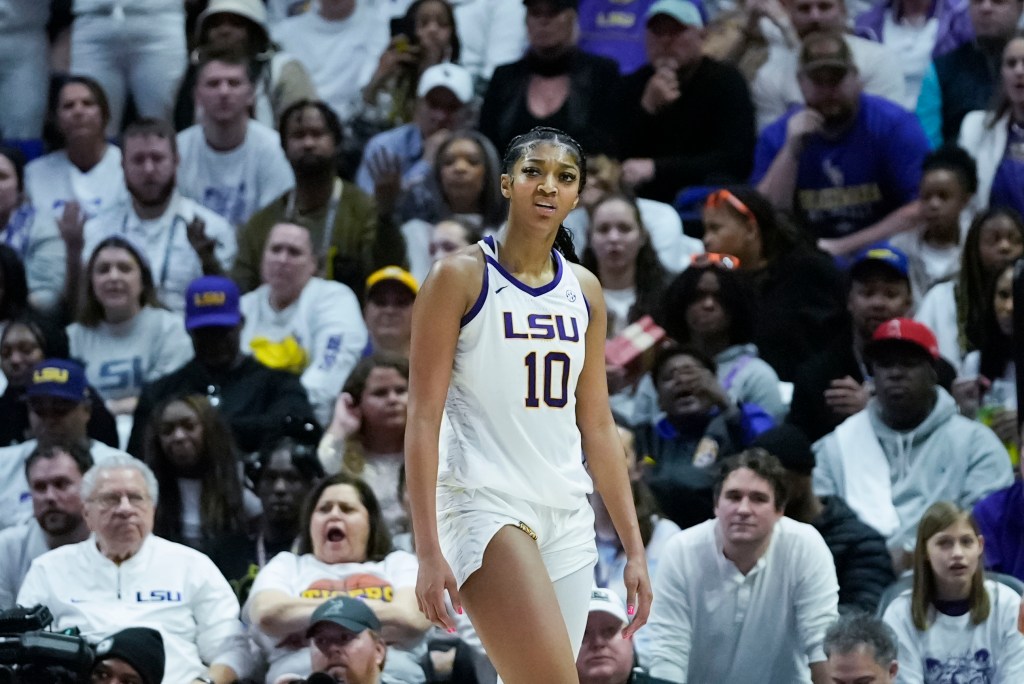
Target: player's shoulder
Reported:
point(588, 281)
point(464, 267)
point(589, 285)
point(455, 279)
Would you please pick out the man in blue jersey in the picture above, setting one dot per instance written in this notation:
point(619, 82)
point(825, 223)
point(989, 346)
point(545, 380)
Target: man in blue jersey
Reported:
point(847, 163)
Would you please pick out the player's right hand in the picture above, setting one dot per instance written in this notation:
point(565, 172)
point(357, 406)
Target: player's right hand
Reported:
point(434, 577)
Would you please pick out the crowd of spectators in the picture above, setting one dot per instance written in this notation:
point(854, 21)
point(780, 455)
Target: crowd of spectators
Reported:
point(215, 218)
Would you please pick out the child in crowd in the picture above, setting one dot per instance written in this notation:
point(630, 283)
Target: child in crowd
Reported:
point(948, 182)
point(953, 309)
point(954, 625)
point(988, 388)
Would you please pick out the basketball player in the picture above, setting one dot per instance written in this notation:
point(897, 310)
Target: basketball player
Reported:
point(507, 374)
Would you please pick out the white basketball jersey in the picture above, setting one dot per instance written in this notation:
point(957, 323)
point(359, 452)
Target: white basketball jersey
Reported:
point(510, 417)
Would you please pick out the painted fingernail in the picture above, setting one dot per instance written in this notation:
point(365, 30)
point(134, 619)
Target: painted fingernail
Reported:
point(460, 610)
point(630, 610)
point(451, 631)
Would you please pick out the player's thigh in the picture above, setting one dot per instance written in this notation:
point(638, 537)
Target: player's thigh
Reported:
point(514, 608)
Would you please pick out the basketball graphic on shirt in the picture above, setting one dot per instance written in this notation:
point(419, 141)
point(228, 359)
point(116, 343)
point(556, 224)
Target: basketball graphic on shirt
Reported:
point(361, 585)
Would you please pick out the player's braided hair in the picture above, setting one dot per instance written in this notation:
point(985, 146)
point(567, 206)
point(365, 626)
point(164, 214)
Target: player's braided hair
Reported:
point(546, 134)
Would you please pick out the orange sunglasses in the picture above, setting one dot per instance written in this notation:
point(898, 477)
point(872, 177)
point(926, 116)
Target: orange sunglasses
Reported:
point(723, 196)
point(726, 261)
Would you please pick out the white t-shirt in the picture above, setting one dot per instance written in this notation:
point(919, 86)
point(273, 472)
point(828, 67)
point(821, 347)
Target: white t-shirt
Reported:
point(662, 222)
point(325, 321)
point(929, 265)
point(164, 242)
point(954, 650)
point(191, 519)
point(340, 56)
point(381, 473)
point(306, 577)
point(52, 181)
point(914, 45)
point(938, 311)
point(417, 234)
point(618, 303)
point(238, 183)
point(19, 546)
point(120, 358)
point(491, 33)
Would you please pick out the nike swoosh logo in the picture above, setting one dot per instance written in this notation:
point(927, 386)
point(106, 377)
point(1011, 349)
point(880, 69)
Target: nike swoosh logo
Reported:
point(500, 289)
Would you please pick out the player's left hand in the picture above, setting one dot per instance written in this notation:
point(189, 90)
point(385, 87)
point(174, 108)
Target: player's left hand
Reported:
point(638, 594)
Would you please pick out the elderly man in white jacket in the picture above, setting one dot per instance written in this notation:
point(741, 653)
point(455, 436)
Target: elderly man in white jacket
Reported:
point(123, 575)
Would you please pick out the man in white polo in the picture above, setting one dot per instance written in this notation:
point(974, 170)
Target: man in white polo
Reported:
point(747, 596)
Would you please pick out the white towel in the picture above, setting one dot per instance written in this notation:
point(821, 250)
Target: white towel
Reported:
point(868, 489)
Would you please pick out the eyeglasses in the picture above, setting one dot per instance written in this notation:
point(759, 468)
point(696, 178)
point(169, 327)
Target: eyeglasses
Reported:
point(726, 261)
point(114, 499)
point(723, 196)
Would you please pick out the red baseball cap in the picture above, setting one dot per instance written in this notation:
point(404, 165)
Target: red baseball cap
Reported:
point(906, 330)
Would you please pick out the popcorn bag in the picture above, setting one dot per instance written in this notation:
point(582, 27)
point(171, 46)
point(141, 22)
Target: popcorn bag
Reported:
point(635, 346)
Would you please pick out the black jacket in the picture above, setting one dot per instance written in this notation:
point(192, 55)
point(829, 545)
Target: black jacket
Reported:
point(682, 487)
point(808, 410)
point(705, 137)
point(587, 114)
point(863, 563)
point(14, 425)
point(967, 78)
point(800, 305)
point(254, 400)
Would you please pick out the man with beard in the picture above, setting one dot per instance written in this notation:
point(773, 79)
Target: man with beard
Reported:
point(54, 474)
point(774, 86)
point(180, 238)
point(340, 217)
point(848, 164)
point(910, 447)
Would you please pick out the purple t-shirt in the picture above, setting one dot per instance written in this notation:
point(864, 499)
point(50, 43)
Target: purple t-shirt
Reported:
point(615, 29)
point(1000, 516)
point(848, 184)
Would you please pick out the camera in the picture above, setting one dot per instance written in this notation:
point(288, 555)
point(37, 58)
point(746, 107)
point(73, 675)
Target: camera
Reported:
point(29, 654)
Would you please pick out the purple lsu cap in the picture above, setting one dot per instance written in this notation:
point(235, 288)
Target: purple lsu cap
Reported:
point(212, 301)
point(59, 378)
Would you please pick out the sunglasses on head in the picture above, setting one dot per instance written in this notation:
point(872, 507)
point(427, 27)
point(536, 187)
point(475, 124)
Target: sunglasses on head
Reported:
point(723, 196)
point(726, 261)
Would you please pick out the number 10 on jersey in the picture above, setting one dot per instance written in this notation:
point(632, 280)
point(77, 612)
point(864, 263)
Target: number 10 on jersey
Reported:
point(553, 370)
